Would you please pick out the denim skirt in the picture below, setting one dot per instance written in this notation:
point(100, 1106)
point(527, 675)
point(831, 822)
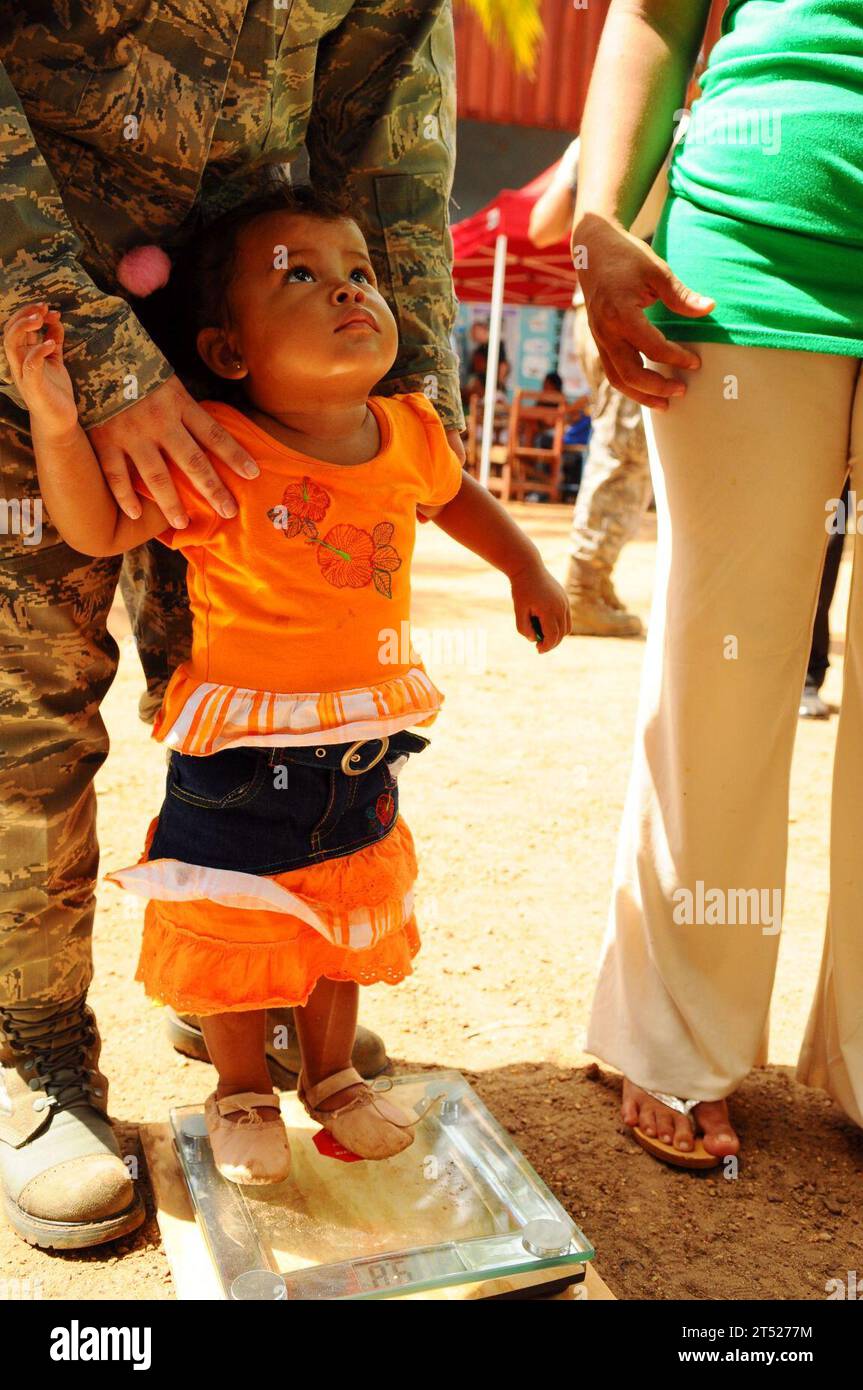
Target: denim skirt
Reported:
point(269, 810)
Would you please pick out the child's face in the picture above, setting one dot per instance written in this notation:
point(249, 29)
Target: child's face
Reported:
point(296, 279)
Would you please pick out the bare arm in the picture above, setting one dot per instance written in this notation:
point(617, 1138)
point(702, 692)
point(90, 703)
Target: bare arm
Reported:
point(71, 482)
point(81, 504)
point(551, 214)
point(647, 52)
point(645, 58)
point(478, 521)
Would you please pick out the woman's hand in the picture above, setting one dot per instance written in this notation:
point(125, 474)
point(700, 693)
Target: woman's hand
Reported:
point(36, 365)
point(620, 277)
point(168, 423)
point(536, 594)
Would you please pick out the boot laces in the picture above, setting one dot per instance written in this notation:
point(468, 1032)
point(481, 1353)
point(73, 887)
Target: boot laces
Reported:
point(53, 1048)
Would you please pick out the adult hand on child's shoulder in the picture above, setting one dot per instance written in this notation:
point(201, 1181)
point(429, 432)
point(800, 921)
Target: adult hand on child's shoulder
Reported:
point(168, 423)
point(537, 594)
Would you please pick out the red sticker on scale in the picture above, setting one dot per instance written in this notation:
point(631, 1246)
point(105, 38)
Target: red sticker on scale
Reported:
point(329, 1146)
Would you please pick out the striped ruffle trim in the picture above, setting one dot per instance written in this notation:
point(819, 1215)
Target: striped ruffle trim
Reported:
point(172, 880)
point(212, 717)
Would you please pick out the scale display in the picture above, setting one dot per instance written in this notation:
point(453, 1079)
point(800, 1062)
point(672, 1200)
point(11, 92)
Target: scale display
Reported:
point(460, 1206)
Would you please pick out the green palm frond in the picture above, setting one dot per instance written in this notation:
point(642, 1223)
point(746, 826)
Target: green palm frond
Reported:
point(515, 22)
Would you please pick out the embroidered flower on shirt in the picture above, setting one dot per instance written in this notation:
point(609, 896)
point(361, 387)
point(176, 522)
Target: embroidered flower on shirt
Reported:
point(303, 503)
point(348, 556)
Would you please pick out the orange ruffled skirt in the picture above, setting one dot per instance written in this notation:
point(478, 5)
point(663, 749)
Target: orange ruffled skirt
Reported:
point(205, 957)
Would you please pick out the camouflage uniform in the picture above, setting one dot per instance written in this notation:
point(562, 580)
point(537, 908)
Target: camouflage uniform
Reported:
point(133, 124)
point(615, 487)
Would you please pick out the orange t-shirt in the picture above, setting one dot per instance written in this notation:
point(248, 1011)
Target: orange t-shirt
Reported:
point(301, 602)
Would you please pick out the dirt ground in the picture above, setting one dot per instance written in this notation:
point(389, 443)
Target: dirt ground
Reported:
point(515, 809)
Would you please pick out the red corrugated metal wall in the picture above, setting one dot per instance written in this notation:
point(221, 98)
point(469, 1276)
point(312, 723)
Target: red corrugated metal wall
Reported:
point(489, 89)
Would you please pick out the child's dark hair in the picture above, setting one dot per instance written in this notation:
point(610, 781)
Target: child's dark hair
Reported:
point(196, 296)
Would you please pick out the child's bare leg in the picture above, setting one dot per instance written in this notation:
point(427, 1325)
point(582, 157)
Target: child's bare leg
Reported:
point(235, 1042)
point(326, 1028)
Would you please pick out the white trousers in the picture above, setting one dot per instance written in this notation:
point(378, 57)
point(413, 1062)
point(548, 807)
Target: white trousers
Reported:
point(744, 468)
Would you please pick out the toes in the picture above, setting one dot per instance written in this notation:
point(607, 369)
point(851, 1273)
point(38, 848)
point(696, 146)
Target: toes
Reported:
point(653, 1118)
point(630, 1103)
point(629, 1109)
point(719, 1135)
point(666, 1123)
point(657, 1121)
point(682, 1133)
point(648, 1119)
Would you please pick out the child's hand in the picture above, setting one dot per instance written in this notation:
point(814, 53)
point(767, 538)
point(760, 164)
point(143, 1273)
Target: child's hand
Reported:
point(36, 364)
point(536, 594)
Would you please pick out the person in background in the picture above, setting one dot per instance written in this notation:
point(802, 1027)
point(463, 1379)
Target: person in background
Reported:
point(576, 434)
point(476, 375)
point(615, 487)
point(552, 390)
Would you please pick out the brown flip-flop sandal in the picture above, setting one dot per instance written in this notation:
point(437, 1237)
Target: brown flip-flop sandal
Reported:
point(696, 1157)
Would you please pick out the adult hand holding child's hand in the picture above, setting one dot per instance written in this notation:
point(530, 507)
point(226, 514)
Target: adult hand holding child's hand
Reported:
point(620, 277)
point(38, 371)
point(167, 424)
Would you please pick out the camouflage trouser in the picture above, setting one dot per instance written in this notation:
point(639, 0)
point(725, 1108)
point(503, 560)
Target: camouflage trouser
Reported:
point(57, 660)
point(615, 486)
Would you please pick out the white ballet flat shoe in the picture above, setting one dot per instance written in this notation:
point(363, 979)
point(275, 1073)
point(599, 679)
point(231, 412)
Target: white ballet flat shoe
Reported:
point(368, 1125)
point(250, 1150)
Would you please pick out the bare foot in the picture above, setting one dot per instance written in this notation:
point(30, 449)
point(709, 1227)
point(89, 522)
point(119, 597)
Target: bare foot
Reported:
point(659, 1121)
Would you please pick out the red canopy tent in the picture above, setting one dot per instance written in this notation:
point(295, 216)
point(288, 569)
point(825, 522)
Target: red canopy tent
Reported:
point(493, 254)
point(532, 276)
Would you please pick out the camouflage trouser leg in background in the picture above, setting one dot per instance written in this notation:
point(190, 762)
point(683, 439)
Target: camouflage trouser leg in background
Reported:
point(615, 486)
point(57, 660)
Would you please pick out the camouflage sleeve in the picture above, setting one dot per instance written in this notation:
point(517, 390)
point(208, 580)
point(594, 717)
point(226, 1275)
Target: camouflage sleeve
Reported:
point(382, 125)
point(111, 360)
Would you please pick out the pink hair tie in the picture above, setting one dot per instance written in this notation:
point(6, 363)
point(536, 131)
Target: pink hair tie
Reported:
point(143, 270)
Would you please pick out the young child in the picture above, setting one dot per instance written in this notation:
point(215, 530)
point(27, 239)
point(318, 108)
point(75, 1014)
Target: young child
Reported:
point(278, 871)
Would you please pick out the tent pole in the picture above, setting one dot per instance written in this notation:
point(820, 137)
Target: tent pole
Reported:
point(494, 327)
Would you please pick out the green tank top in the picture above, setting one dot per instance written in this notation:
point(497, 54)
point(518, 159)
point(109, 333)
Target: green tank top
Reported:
point(765, 210)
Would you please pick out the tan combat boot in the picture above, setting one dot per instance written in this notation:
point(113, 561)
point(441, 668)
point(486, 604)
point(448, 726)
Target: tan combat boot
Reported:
point(609, 593)
point(64, 1184)
point(596, 610)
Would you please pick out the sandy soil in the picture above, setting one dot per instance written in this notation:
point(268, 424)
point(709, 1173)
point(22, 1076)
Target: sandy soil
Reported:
point(516, 834)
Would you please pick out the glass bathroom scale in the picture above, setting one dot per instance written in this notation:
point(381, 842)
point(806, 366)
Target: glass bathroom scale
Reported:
point(461, 1206)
